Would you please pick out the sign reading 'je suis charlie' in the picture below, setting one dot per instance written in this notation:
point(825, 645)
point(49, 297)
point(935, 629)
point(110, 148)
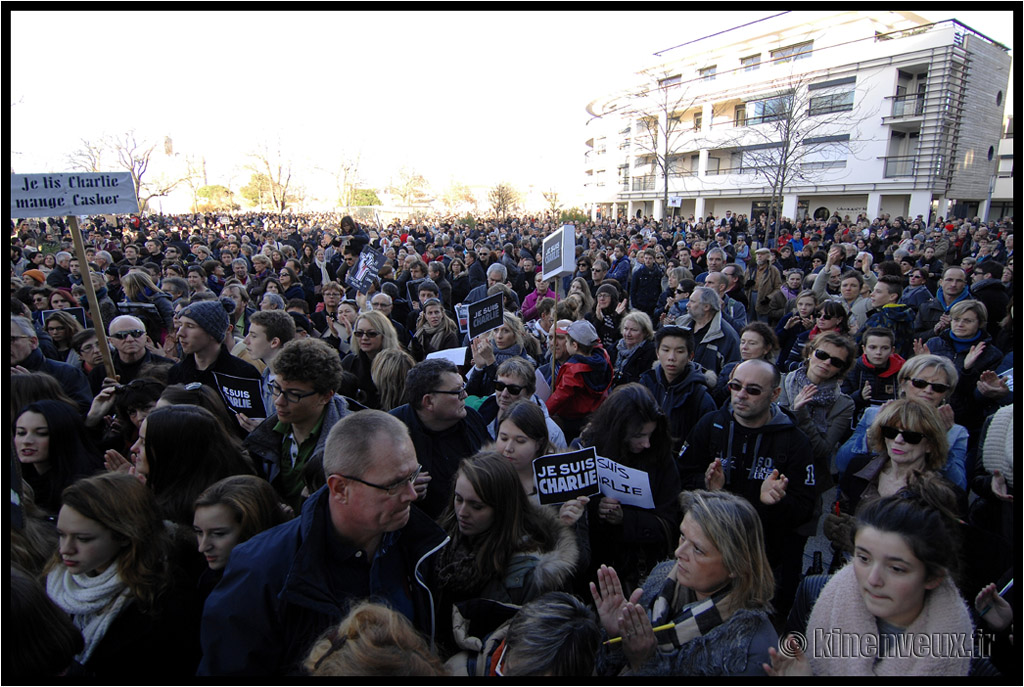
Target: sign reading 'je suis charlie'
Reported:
point(73, 193)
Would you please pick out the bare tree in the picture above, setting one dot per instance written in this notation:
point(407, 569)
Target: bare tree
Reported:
point(411, 187)
point(554, 204)
point(504, 199)
point(657, 112)
point(88, 158)
point(135, 155)
point(797, 136)
point(458, 196)
point(271, 163)
point(346, 177)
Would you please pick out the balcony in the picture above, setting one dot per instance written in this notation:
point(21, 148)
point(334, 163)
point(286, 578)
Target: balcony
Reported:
point(899, 166)
point(644, 183)
point(911, 105)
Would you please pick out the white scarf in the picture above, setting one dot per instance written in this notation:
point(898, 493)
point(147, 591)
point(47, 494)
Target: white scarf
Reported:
point(92, 602)
point(324, 277)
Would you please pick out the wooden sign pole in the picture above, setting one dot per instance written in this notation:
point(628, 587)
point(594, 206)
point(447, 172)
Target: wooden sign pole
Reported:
point(90, 293)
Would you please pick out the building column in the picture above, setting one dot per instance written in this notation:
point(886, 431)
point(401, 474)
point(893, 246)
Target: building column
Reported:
point(659, 211)
point(789, 205)
point(698, 207)
point(615, 211)
point(942, 209)
point(920, 204)
point(983, 208)
point(630, 209)
point(874, 205)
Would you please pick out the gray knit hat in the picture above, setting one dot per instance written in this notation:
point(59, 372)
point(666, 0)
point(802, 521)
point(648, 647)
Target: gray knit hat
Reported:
point(210, 316)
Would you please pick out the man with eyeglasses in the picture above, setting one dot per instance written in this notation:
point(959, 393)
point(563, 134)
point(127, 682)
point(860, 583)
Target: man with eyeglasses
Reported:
point(26, 357)
point(752, 448)
point(443, 429)
point(127, 335)
point(305, 407)
point(357, 537)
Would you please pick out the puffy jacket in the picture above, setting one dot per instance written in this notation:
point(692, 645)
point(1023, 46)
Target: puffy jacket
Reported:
point(916, 296)
point(748, 456)
point(277, 595)
point(582, 385)
point(900, 319)
point(684, 401)
point(966, 411)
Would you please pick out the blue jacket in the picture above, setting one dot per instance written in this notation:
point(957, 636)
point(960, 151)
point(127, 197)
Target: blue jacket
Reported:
point(620, 270)
point(684, 401)
point(276, 594)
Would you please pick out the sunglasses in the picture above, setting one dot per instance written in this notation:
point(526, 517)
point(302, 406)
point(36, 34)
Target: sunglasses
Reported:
point(751, 390)
point(936, 387)
point(833, 360)
point(134, 333)
point(514, 389)
point(369, 334)
point(908, 436)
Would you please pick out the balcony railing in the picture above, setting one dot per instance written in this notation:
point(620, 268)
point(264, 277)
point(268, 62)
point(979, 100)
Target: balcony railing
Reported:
point(899, 166)
point(911, 105)
point(644, 183)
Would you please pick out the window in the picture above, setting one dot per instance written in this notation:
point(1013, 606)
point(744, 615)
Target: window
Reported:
point(835, 102)
point(793, 52)
point(670, 81)
point(698, 119)
point(771, 109)
point(708, 73)
point(739, 116)
point(751, 62)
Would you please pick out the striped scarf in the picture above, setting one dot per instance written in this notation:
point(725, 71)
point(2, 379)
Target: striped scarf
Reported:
point(694, 619)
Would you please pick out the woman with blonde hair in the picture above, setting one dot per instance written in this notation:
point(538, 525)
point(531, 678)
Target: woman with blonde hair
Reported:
point(635, 350)
point(372, 332)
point(716, 597)
point(388, 372)
point(580, 287)
point(373, 640)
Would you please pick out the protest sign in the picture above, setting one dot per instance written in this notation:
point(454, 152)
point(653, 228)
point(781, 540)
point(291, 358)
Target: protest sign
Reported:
point(46, 195)
point(485, 315)
point(629, 486)
point(559, 252)
point(241, 395)
point(365, 270)
point(456, 355)
point(562, 477)
point(77, 313)
point(462, 314)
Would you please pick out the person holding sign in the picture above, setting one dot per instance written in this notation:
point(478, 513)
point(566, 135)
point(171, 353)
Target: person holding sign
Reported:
point(630, 429)
point(709, 606)
point(503, 547)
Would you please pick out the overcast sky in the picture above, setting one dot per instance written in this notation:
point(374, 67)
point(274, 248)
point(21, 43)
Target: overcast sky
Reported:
point(477, 97)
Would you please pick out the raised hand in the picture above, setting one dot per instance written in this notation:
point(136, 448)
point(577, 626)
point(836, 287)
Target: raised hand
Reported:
point(773, 488)
point(714, 476)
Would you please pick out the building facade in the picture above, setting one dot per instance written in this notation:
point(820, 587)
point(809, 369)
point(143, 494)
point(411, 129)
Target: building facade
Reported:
point(813, 113)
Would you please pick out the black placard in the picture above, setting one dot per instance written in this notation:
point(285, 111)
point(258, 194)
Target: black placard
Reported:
point(241, 395)
point(485, 315)
point(562, 477)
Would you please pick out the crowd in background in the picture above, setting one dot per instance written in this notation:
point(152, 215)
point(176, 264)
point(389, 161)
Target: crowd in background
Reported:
point(776, 381)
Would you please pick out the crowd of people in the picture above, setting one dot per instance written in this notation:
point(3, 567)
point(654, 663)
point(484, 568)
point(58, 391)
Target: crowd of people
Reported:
point(376, 511)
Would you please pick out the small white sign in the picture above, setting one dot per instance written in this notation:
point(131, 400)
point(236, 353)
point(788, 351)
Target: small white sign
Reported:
point(84, 193)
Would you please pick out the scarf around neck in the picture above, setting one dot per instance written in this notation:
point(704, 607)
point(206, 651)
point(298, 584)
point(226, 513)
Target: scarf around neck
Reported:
point(822, 400)
point(92, 602)
point(625, 353)
point(692, 618)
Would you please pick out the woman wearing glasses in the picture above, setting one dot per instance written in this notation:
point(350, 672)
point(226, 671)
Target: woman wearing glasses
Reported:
point(812, 392)
point(503, 548)
point(831, 316)
point(372, 332)
point(928, 379)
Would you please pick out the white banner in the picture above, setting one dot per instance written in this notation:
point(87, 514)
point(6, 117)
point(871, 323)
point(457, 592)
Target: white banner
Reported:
point(49, 195)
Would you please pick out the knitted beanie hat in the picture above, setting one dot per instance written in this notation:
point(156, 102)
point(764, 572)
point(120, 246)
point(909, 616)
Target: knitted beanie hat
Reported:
point(210, 316)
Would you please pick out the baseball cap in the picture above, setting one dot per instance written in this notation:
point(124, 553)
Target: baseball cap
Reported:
point(582, 332)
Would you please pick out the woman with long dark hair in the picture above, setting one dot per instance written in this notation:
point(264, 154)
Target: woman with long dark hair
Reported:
point(630, 428)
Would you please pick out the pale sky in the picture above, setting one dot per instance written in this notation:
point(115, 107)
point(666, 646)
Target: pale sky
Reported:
point(475, 97)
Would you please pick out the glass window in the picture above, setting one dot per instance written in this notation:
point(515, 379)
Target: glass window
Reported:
point(708, 73)
point(835, 102)
point(793, 52)
point(751, 62)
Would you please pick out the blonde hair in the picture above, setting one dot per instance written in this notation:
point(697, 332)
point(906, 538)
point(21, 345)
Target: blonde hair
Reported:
point(388, 371)
point(913, 416)
point(380, 322)
point(372, 640)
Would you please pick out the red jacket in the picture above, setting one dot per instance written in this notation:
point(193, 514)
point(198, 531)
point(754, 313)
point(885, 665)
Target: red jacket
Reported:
point(581, 385)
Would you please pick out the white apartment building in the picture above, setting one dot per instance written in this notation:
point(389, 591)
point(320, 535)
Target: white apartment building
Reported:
point(862, 111)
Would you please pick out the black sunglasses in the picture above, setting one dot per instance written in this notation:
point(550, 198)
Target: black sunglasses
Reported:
point(752, 390)
point(514, 389)
point(134, 333)
point(908, 436)
point(938, 388)
point(833, 360)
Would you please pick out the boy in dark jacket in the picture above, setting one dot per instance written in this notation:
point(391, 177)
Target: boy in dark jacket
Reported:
point(583, 380)
point(872, 381)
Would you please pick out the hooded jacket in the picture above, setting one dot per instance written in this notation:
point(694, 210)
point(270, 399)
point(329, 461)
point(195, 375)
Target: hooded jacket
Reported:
point(748, 457)
point(897, 317)
point(279, 591)
point(884, 386)
point(684, 401)
point(581, 385)
point(916, 296)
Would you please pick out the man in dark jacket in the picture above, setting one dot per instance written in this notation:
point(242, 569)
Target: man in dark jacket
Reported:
point(679, 385)
point(645, 286)
point(443, 429)
point(357, 537)
point(752, 448)
point(127, 334)
point(201, 335)
point(26, 357)
point(932, 317)
point(988, 288)
point(60, 276)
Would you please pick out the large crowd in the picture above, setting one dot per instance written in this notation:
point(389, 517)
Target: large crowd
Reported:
point(372, 506)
